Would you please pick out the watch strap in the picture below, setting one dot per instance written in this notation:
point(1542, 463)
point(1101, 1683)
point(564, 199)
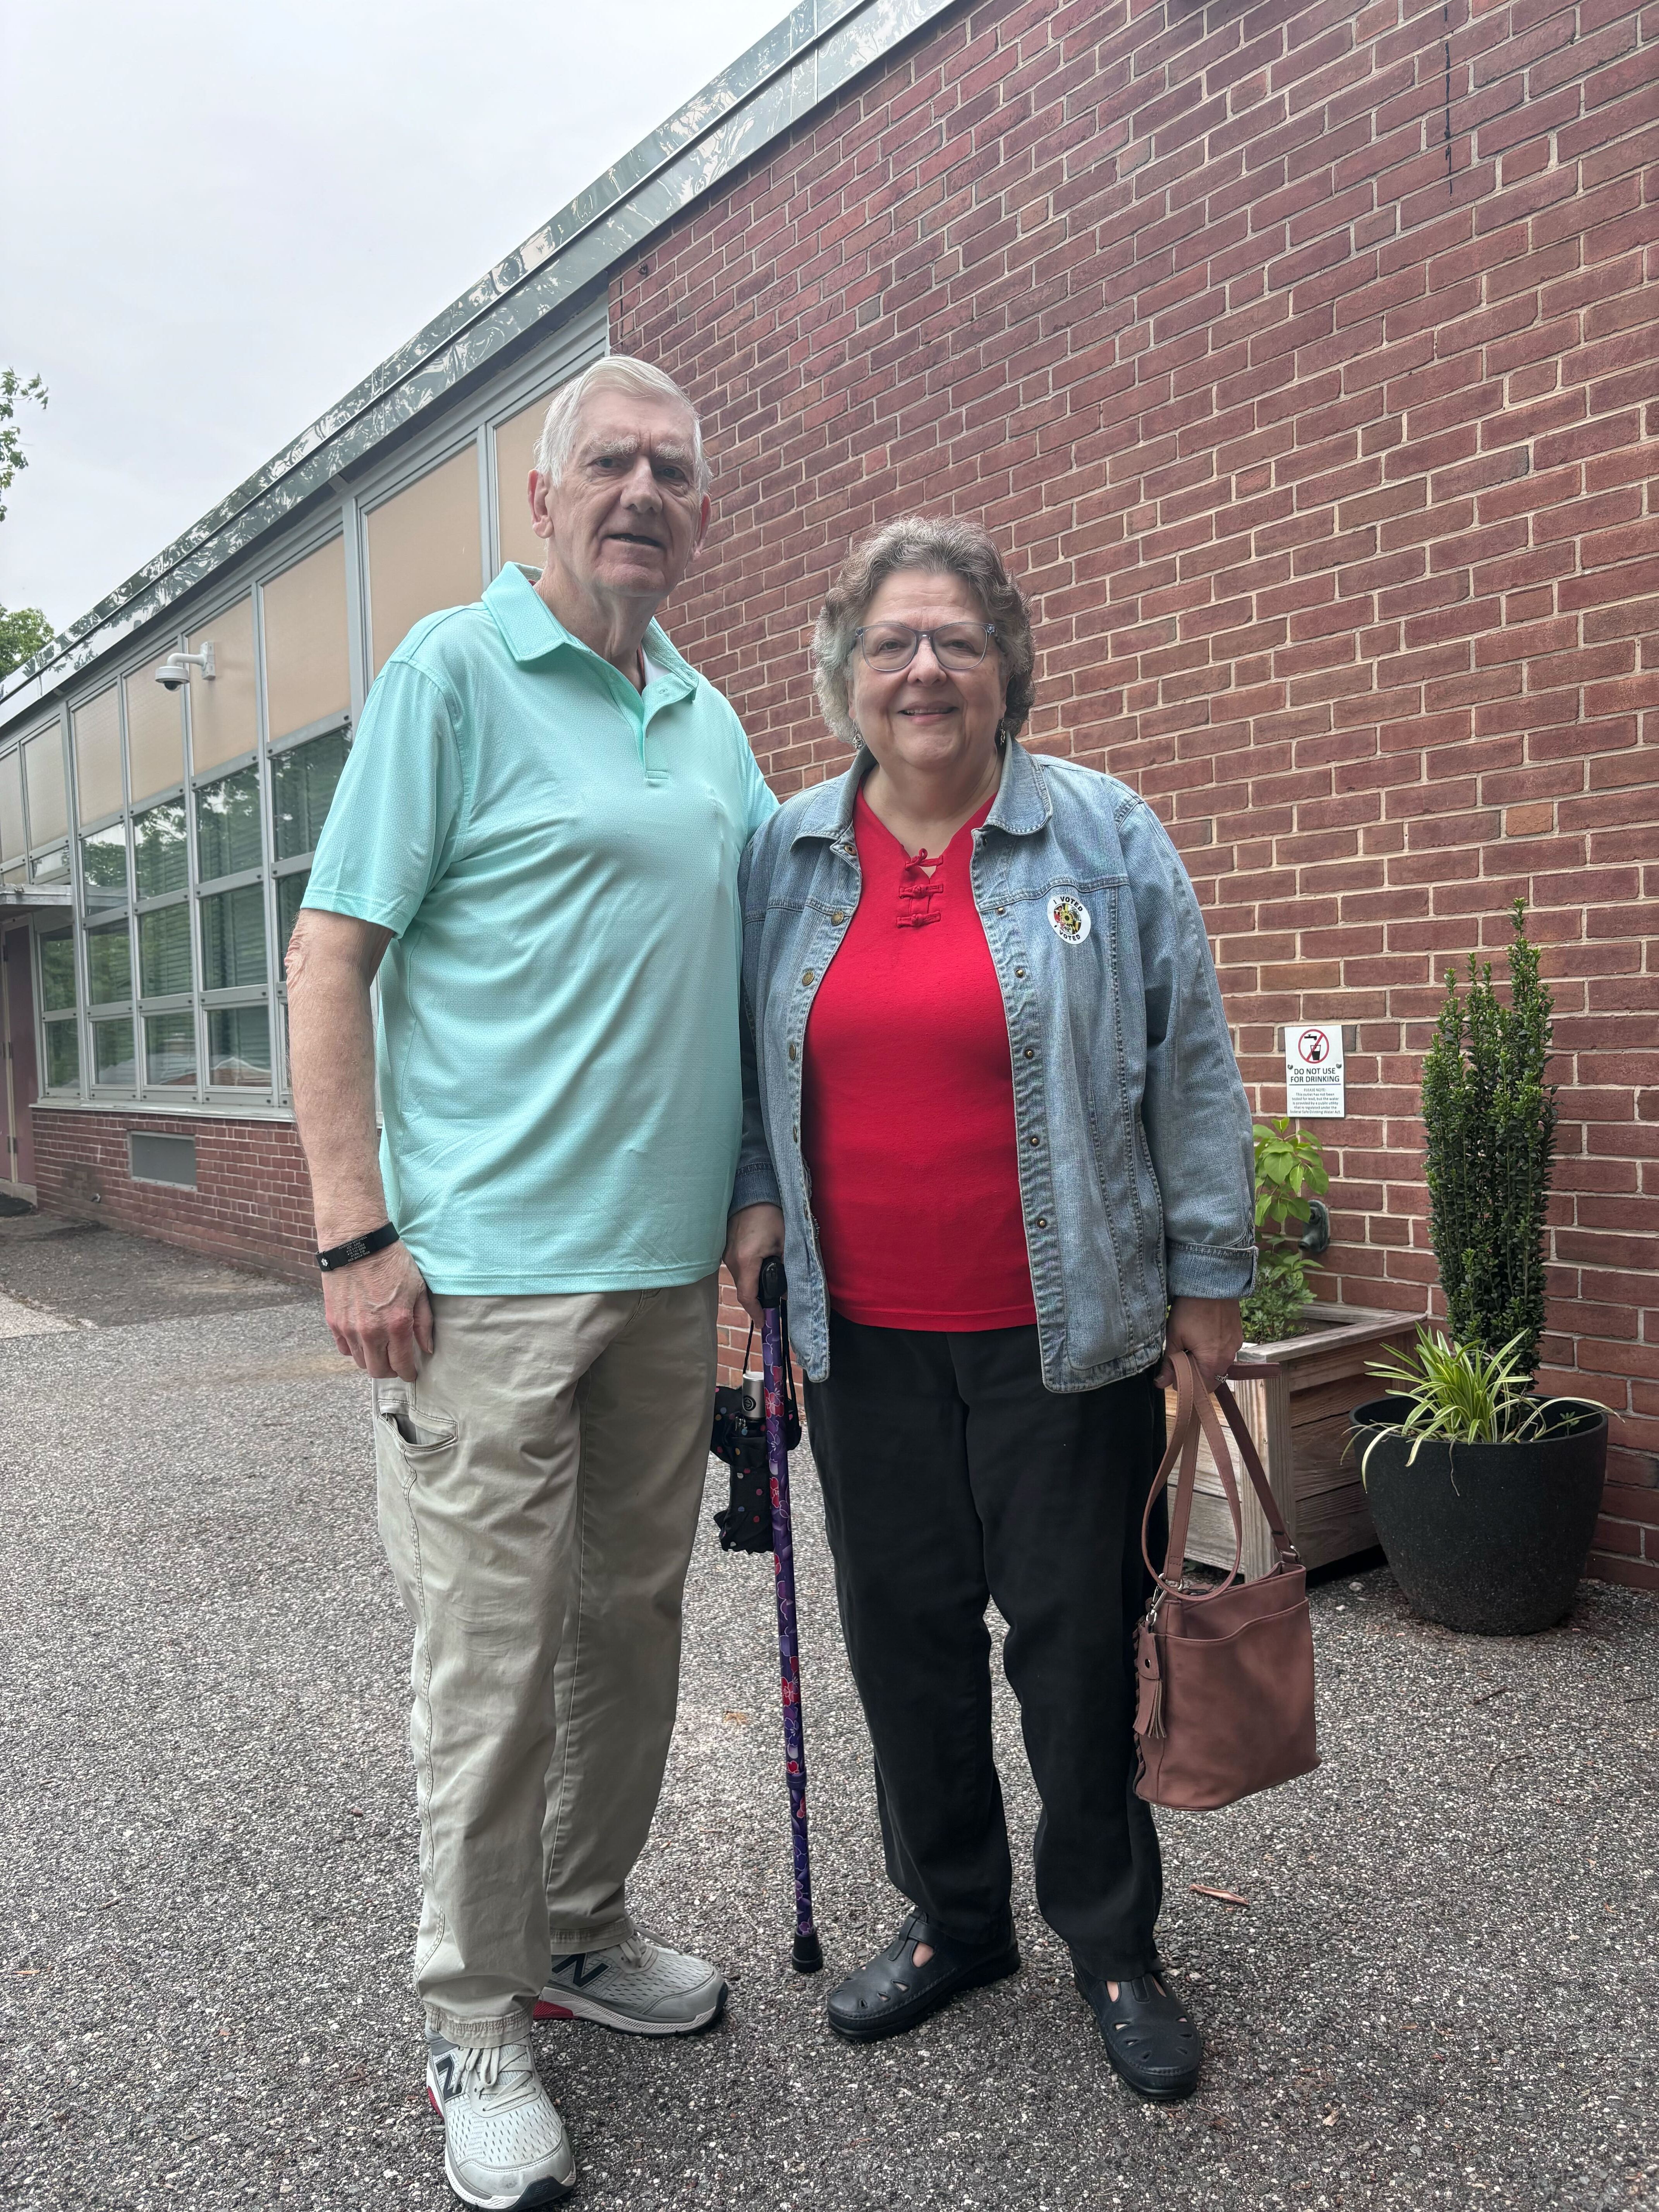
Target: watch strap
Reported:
point(357, 1248)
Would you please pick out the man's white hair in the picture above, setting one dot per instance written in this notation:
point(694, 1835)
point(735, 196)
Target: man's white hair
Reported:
point(617, 372)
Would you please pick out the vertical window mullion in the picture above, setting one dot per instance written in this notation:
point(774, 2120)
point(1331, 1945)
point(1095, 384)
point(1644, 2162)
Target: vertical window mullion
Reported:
point(268, 851)
point(192, 878)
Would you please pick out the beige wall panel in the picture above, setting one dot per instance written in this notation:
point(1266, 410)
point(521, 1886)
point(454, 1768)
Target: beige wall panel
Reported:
point(97, 758)
point(424, 552)
point(224, 715)
point(11, 806)
point(155, 734)
point(307, 650)
point(515, 456)
point(43, 778)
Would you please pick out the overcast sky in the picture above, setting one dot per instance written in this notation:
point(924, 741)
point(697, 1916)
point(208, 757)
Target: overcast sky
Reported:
point(215, 219)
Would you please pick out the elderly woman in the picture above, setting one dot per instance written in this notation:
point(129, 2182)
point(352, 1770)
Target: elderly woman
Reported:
point(994, 1124)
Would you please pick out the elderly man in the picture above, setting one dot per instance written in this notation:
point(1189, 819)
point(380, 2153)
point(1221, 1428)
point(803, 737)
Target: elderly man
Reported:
point(535, 844)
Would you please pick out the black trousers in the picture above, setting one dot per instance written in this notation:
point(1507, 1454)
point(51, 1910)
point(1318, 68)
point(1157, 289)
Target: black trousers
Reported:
point(952, 1477)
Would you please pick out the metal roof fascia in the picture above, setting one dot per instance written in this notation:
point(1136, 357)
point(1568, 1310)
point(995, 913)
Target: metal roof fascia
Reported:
point(808, 57)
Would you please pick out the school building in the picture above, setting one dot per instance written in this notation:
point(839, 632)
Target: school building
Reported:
point(1301, 353)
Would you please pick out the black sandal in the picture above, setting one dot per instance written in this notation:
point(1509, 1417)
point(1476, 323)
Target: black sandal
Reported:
point(891, 1993)
point(1149, 2040)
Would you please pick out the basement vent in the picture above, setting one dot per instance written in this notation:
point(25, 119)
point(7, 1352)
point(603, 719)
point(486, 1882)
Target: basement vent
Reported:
point(161, 1160)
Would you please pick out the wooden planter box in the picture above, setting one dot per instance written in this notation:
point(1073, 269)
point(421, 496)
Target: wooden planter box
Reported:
point(1297, 1396)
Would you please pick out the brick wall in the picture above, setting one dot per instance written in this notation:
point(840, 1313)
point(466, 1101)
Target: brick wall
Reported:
point(1302, 359)
point(252, 1200)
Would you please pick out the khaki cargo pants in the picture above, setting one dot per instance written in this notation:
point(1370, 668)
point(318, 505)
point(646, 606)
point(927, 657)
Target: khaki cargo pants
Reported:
point(538, 1489)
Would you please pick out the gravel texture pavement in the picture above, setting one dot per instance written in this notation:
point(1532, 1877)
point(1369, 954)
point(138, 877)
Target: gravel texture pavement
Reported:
point(1444, 1990)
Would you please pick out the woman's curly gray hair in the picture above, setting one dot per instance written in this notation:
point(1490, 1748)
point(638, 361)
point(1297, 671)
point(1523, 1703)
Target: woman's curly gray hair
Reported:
point(940, 545)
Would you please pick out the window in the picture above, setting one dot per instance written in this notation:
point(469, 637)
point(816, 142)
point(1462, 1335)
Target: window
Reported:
point(111, 1055)
point(302, 785)
point(233, 940)
point(158, 844)
point(164, 952)
point(97, 747)
point(227, 835)
point(302, 781)
point(104, 865)
point(424, 551)
point(239, 1046)
point(170, 1051)
point(58, 1000)
point(43, 780)
point(57, 971)
point(63, 1056)
point(155, 735)
point(307, 657)
point(224, 713)
point(515, 456)
point(14, 842)
point(109, 964)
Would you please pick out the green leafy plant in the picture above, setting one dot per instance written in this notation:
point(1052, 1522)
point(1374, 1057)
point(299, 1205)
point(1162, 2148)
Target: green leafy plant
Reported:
point(1290, 1172)
point(1490, 1120)
point(1460, 1394)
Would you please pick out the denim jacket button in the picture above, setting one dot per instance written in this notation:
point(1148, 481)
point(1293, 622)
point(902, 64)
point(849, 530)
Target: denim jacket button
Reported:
point(1042, 1221)
point(1034, 1139)
point(1030, 1054)
point(792, 1052)
point(807, 975)
point(838, 915)
point(1019, 971)
point(1002, 909)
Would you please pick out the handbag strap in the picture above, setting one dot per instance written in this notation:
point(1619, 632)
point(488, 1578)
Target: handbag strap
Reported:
point(1195, 1417)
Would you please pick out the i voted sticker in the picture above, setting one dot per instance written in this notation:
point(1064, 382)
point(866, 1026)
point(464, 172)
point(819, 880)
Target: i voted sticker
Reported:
point(1068, 918)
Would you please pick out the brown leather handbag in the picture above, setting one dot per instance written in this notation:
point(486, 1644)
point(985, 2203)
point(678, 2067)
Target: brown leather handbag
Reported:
point(1225, 1677)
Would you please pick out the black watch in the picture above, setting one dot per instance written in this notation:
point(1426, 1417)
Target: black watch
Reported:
point(357, 1248)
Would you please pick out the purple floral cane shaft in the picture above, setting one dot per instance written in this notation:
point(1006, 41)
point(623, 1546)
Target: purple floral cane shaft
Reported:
point(783, 1568)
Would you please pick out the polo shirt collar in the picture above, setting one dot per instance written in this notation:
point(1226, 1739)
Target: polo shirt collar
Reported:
point(530, 630)
point(1022, 805)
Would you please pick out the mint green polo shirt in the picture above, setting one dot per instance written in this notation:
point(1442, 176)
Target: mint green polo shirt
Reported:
point(556, 856)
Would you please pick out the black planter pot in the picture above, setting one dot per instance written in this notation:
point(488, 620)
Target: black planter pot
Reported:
point(1487, 1538)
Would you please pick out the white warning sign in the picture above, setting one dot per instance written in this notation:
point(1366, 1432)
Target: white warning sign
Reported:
point(1313, 1086)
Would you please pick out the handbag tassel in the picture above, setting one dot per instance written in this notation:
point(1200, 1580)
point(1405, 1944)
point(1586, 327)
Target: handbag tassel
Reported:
point(1149, 1717)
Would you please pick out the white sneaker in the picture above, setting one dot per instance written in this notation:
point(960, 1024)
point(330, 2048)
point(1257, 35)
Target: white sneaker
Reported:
point(505, 2147)
point(637, 1985)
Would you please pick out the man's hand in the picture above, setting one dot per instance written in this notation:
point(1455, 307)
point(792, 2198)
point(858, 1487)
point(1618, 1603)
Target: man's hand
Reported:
point(754, 1235)
point(1211, 1329)
point(381, 1313)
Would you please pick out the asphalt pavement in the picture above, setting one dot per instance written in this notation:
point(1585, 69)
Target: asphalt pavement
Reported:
point(1442, 1990)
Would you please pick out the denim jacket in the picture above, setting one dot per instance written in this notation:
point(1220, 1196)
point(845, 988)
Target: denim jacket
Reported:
point(1136, 1170)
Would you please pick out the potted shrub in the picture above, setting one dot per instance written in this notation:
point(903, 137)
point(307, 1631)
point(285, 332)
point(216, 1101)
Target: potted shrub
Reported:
point(1484, 1496)
point(1300, 1374)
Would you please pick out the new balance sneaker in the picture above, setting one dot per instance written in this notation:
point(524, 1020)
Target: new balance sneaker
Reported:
point(505, 2146)
point(639, 1986)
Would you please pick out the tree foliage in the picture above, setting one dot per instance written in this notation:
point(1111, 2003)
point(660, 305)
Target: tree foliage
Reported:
point(1490, 1120)
point(23, 630)
point(15, 390)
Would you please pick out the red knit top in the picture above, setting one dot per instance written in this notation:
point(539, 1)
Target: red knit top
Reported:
point(908, 1097)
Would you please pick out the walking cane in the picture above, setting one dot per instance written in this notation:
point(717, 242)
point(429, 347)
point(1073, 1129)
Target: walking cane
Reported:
point(807, 1956)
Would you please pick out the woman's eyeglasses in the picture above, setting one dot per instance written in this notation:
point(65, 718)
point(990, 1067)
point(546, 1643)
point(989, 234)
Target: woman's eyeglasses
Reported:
point(890, 646)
